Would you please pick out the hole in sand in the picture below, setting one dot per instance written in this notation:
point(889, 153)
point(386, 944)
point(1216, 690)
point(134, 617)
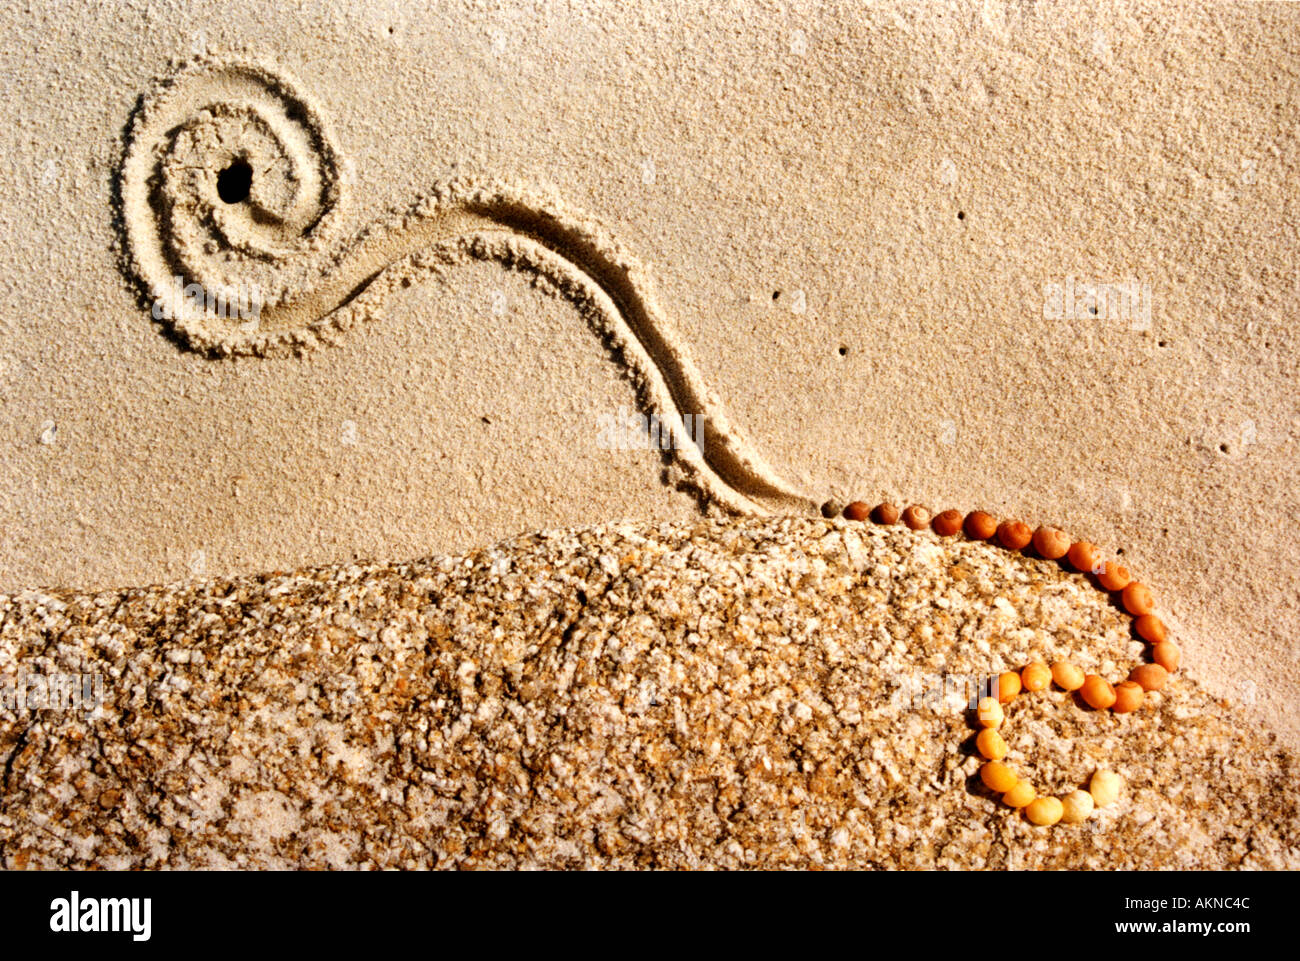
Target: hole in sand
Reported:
point(235, 182)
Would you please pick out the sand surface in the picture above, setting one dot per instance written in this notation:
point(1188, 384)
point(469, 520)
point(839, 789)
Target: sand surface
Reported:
point(745, 693)
point(848, 220)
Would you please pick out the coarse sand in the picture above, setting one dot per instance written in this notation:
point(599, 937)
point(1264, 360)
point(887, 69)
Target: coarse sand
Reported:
point(721, 694)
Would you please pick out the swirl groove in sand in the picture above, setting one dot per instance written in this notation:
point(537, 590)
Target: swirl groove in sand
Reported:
point(284, 241)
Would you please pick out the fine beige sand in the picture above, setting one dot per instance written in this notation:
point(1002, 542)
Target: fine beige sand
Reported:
point(835, 231)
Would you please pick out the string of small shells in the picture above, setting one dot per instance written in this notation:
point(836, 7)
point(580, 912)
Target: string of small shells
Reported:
point(1122, 697)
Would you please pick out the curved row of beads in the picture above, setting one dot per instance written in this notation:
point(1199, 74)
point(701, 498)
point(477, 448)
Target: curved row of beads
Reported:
point(1098, 693)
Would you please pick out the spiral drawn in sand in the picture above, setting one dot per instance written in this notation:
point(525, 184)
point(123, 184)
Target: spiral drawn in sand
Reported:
point(194, 254)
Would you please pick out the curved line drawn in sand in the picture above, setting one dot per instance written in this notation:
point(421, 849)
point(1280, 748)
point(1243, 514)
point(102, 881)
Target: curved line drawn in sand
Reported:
point(283, 240)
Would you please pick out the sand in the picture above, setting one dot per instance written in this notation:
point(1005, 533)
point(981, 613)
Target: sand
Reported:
point(194, 254)
point(743, 693)
point(857, 241)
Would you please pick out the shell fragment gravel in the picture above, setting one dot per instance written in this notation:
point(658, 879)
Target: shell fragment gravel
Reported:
point(730, 693)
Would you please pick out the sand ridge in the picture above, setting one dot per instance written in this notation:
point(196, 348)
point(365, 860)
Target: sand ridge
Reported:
point(734, 692)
